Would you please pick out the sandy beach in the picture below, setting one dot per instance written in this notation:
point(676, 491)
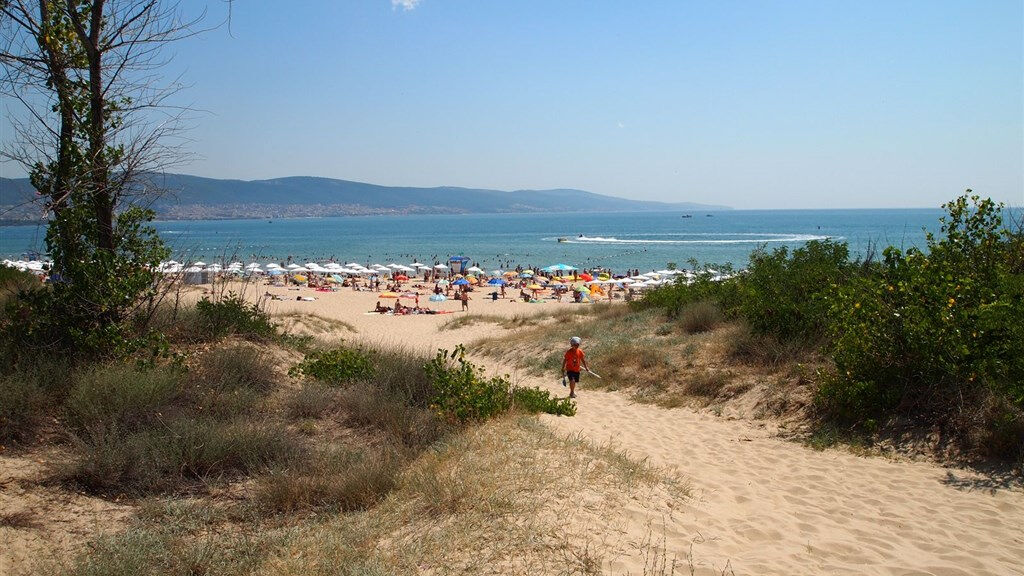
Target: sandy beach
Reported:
point(763, 505)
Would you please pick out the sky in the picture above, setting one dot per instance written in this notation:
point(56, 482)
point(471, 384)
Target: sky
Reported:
point(750, 104)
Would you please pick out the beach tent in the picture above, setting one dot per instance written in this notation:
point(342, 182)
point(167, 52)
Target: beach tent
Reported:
point(458, 263)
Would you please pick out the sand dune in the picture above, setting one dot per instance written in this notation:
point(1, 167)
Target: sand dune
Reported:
point(764, 505)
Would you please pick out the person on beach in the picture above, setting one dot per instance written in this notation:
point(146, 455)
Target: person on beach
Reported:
point(573, 360)
point(464, 297)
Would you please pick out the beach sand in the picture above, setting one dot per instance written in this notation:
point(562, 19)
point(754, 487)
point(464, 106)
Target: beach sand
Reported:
point(763, 505)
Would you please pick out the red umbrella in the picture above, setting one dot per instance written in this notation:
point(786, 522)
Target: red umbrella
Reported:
point(401, 277)
point(586, 277)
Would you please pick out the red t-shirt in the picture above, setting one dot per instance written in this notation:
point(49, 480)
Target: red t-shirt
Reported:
point(573, 358)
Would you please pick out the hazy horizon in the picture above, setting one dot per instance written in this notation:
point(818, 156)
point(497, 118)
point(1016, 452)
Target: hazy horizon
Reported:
point(797, 105)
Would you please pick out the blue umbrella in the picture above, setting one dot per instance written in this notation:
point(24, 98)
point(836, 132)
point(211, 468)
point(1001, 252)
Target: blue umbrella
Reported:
point(461, 282)
point(496, 281)
point(437, 298)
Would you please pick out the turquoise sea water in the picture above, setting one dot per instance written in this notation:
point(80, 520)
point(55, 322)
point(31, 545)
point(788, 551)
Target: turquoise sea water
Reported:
point(621, 240)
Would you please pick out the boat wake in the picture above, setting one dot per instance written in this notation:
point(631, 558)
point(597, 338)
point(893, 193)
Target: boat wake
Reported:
point(722, 238)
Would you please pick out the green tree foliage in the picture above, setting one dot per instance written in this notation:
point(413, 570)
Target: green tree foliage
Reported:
point(933, 329)
point(83, 58)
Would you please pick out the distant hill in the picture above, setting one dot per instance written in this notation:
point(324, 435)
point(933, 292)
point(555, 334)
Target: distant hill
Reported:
point(193, 197)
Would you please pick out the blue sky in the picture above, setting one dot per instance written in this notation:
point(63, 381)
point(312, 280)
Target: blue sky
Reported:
point(785, 104)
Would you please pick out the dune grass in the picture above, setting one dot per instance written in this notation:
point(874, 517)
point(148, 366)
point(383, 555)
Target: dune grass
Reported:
point(508, 496)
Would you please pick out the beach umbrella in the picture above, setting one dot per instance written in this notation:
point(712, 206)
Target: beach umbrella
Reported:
point(438, 298)
point(275, 271)
point(253, 266)
point(401, 277)
point(586, 276)
point(473, 269)
point(443, 282)
point(460, 282)
point(526, 275)
point(440, 267)
point(527, 271)
point(419, 265)
point(200, 263)
point(535, 287)
point(497, 281)
point(497, 272)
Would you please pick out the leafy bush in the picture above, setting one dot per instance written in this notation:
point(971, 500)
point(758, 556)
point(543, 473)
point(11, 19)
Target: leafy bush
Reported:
point(932, 332)
point(534, 400)
point(462, 393)
point(786, 294)
point(336, 366)
point(232, 314)
point(706, 285)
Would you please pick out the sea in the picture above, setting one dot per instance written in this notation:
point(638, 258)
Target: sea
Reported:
point(620, 241)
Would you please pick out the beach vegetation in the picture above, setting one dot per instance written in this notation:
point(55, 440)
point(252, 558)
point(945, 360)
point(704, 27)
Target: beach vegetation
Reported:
point(932, 334)
point(232, 314)
point(935, 333)
point(336, 366)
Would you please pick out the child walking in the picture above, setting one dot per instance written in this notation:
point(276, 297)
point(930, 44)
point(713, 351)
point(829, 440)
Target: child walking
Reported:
point(572, 362)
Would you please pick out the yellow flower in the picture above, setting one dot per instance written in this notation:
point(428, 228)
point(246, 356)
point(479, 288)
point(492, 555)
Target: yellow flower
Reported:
point(857, 305)
point(951, 302)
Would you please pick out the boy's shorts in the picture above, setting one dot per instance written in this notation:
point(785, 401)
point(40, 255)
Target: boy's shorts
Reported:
point(574, 376)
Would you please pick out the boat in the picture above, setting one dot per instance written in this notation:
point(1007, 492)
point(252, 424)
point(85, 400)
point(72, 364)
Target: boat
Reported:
point(687, 216)
point(563, 239)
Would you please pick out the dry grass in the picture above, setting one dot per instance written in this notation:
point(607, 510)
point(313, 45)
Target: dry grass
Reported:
point(509, 497)
point(506, 322)
point(20, 520)
point(306, 323)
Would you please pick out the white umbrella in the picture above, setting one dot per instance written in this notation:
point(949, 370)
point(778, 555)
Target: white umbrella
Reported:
point(473, 269)
point(273, 265)
point(299, 269)
point(235, 265)
point(200, 263)
point(255, 266)
point(294, 266)
point(440, 267)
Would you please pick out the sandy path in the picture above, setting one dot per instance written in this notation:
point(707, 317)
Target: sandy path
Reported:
point(766, 505)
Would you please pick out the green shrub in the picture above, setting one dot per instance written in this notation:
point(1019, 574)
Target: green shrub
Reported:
point(462, 393)
point(788, 294)
point(705, 286)
point(232, 314)
point(336, 366)
point(535, 400)
point(931, 332)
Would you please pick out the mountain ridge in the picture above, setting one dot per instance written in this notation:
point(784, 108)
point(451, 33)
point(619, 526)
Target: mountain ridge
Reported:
point(196, 197)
